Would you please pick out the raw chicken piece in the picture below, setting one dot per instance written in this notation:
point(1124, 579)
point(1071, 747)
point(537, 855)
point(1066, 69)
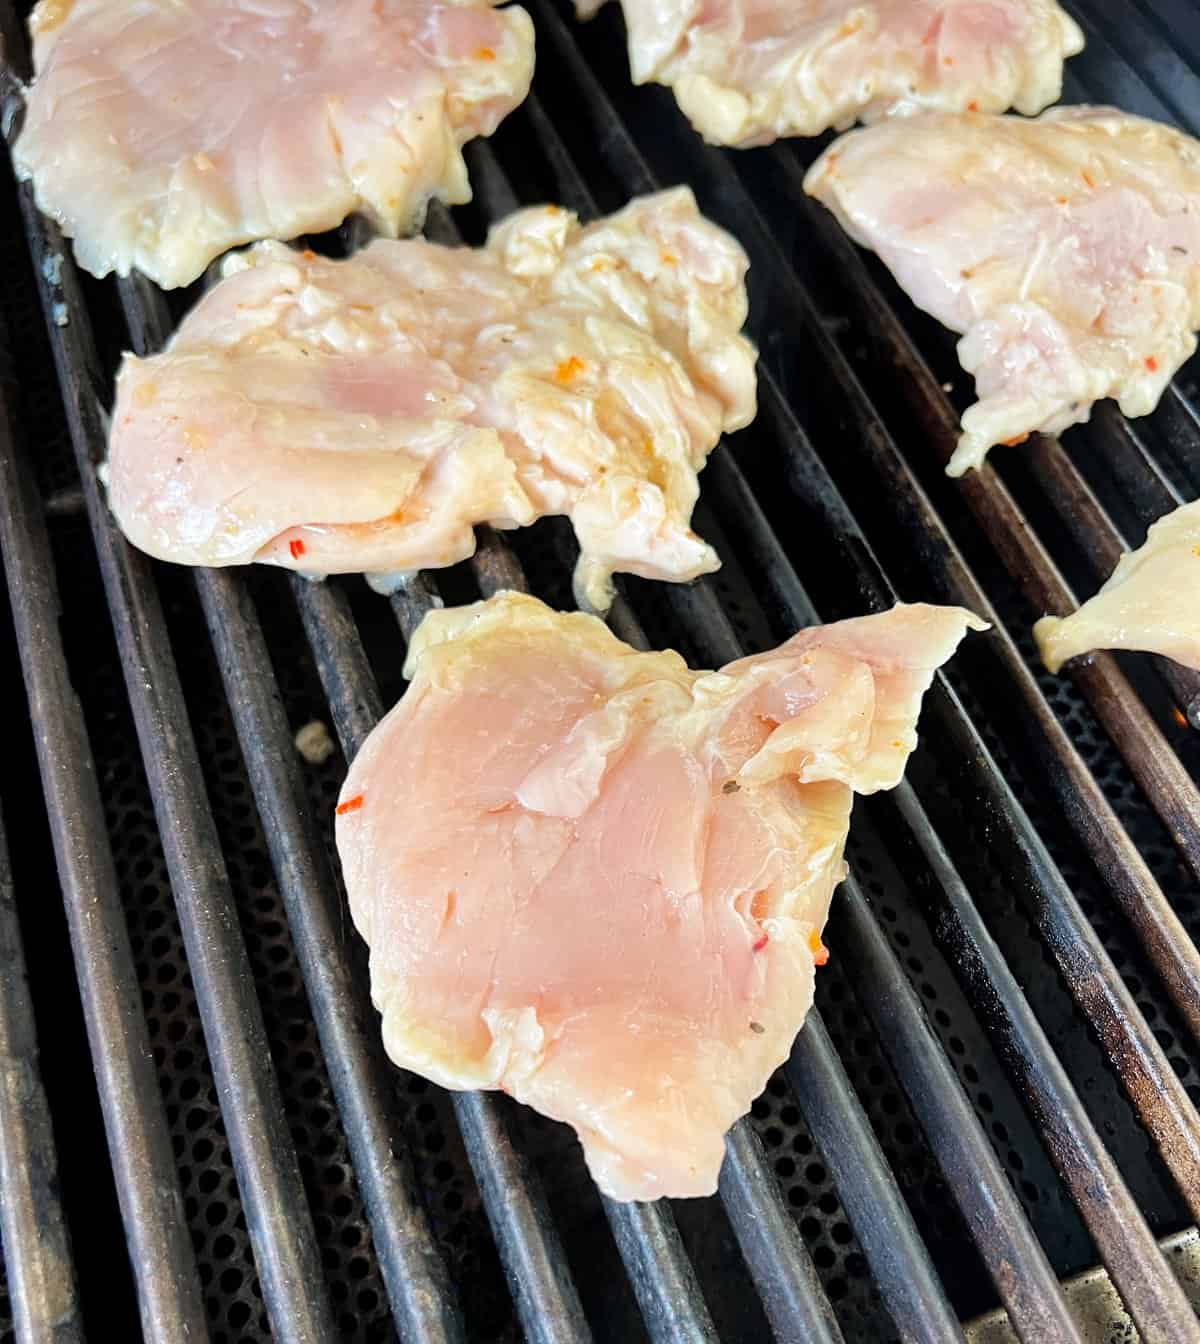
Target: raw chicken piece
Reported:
point(748, 71)
point(1151, 601)
point(597, 880)
point(160, 133)
point(362, 415)
point(1067, 249)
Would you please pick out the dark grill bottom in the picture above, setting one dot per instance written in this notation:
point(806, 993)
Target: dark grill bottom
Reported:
point(421, 1118)
point(232, 1294)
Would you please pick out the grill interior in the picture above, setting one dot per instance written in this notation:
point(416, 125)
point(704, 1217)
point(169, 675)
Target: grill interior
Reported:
point(1002, 1070)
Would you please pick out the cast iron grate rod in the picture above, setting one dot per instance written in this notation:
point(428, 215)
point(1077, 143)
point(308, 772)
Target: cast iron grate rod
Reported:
point(37, 1249)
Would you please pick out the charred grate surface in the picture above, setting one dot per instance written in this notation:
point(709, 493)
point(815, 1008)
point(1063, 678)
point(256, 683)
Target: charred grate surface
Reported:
point(420, 1116)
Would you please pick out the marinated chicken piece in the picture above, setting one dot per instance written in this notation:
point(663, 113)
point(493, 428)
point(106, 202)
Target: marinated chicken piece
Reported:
point(1151, 601)
point(335, 416)
point(161, 133)
point(1066, 249)
point(745, 72)
point(597, 880)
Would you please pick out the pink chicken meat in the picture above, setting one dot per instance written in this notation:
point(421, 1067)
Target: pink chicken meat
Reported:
point(746, 72)
point(1066, 250)
point(159, 134)
point(597, 880)
point(364, 415)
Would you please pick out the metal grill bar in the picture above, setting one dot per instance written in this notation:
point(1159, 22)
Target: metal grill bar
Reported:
point(915, 1297)
point(37, 1250)
point(138, 1143)
point(1179, 422)
point(792, 1295)
point(1024, 1278)
point(416, 1278)
point(1122, 447)
point(1163, 85)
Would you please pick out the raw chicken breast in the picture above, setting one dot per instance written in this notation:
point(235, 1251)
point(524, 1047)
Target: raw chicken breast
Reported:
point(597, 880)
point(159, 134)
point(334, 416)
point(1151, 601)
point(748, 71)
point(1067, 249)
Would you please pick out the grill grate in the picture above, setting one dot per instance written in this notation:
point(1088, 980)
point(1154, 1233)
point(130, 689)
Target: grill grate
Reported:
point(1034, 944)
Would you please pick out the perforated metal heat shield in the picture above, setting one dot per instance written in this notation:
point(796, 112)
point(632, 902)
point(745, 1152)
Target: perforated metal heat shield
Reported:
point(965, 957)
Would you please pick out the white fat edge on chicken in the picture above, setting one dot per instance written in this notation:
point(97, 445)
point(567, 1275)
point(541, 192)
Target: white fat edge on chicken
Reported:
point(1151, 601)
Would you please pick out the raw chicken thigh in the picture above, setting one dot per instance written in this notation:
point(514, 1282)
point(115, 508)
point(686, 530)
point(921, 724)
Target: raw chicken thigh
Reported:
point(597, 880)
point(1151, 601)
point(160, 134)
point(1067, 249)
point(338, 416)
point(745, 72)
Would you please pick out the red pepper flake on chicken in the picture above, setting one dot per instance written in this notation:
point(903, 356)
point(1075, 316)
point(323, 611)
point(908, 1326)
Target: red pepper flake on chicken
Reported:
point(364, 415)
point(1066, 249)
point(1150, 602)
point(745, 72)
point(596, 879)
point(159, 134)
